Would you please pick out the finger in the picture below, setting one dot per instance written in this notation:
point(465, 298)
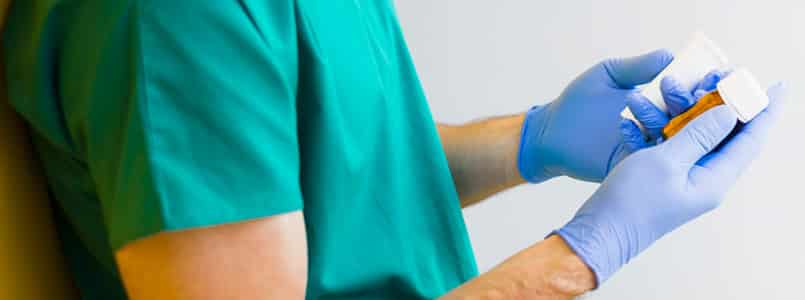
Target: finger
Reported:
point(627, 73)
point(735, 156)
point(652, 118)
point(710, 81)
point(708, 84)
point(677, 98)
point(698, 94)
point(701, 135)
point(633, 138)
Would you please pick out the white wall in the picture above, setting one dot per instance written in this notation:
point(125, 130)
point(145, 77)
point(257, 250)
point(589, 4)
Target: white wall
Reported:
point(480, 58)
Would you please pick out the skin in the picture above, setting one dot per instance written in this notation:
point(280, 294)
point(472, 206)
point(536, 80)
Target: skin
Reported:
point(231, 262)
point(483, 161)
point(546, 270)
point(483, 156)
point(260, 259)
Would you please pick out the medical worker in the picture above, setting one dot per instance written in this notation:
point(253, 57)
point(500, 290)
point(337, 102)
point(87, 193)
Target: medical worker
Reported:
point(284, 149)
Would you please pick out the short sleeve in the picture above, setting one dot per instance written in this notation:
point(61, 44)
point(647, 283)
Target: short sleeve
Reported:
point(208, 135)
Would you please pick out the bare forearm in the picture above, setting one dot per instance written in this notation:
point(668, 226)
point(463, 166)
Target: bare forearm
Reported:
point(483, 161)
point(483, 156)
point(265, 258)
point(547, 270)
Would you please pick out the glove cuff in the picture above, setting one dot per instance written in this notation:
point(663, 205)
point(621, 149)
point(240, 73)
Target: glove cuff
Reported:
point(530, 161)
point(596, 244)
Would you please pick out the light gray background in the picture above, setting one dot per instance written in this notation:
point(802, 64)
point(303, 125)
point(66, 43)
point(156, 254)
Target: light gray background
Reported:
point(483, 58)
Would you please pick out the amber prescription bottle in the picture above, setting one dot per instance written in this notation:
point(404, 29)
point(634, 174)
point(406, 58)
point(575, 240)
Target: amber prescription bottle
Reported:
point(691, 63)
point(740, 91)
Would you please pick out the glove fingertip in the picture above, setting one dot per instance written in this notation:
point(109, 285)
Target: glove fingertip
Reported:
point(710, 81)
point(669, 83)
point(629, 128)
point(676, 97)
point(638, 103)
point(713, 76)
point(633, 138)
point(699, 94)
point(671, 87)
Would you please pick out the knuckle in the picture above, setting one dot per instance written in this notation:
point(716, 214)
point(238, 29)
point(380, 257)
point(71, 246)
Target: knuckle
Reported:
point(609, 66)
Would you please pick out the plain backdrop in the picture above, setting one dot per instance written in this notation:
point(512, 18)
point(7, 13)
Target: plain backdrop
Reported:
point(483, 58)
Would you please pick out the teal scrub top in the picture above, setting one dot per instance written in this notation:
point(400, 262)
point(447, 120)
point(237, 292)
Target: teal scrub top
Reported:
point(154, 116)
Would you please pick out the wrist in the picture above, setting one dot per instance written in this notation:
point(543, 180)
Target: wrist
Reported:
point(546, 270)
point(513, 174)
point(569, 275)
point(590, 237)
point(533, 162)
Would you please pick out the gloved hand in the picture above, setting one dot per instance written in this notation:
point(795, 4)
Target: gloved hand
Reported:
point(579, 134)
point(659, 188)
point(677, 98)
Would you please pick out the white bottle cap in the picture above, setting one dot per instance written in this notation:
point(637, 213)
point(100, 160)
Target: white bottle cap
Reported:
point(741, 91)
point(699, 56)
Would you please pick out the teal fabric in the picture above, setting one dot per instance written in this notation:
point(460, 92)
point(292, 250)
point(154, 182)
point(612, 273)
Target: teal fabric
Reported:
point(167, 115)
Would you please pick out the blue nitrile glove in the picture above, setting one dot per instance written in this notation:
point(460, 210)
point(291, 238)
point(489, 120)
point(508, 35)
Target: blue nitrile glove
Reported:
point(578, 134)
point(677, 99)
point(659, 188)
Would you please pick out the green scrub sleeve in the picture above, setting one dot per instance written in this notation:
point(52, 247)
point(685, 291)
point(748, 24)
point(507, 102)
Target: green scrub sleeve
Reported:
point(209, 134)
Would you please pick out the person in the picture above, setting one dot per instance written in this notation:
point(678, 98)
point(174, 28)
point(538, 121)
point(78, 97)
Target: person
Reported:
point(284, 150)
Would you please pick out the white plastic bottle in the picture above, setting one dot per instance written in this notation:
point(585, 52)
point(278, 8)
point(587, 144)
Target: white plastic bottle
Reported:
point(699, 56)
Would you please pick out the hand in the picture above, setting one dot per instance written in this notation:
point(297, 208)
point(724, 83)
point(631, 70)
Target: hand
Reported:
point(677, 98)
point(659, 188)
point(578, 134)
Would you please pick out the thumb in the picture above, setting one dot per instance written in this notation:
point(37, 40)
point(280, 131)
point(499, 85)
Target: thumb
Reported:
point(629, 72)
point(652, 118)
point(701, 135)
point(677, 98)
